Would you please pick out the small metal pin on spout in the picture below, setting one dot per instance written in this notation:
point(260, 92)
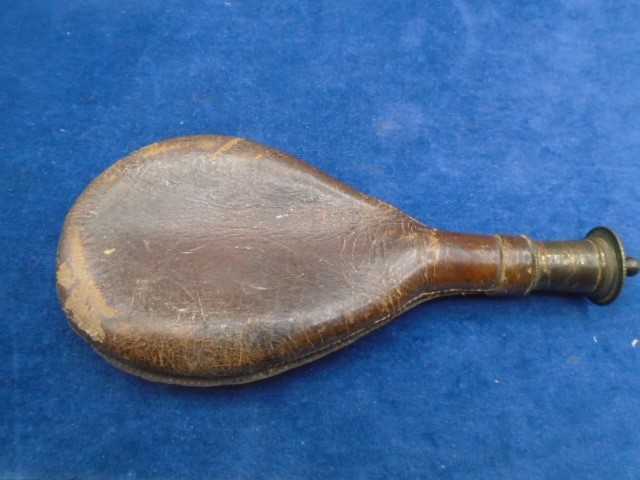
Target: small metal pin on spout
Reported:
point(633, 266)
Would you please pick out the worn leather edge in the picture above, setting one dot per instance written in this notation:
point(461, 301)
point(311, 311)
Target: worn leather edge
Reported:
point(285, 366)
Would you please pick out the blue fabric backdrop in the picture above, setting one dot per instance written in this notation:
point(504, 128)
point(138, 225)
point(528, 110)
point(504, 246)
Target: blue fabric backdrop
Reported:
point(478, 116)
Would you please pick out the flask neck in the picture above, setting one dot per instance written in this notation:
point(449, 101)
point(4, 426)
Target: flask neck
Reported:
point(510, 265)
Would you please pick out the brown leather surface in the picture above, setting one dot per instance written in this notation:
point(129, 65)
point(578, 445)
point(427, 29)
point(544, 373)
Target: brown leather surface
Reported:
point(211, 260)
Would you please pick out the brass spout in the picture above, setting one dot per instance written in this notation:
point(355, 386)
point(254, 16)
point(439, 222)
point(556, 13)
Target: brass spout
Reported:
point(596, 266)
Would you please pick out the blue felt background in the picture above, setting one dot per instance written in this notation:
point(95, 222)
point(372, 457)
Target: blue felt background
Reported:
point(484, 116)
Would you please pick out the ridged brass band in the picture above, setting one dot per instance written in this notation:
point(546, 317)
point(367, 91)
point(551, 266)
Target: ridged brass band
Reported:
point(613, 267)
point(534, 263)
point(516, 273)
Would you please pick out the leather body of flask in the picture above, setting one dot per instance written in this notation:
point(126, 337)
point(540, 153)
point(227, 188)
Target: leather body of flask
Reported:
point(212, 260)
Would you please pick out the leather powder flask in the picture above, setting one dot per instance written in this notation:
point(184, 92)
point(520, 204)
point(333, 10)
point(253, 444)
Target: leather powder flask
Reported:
point(213, 260)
